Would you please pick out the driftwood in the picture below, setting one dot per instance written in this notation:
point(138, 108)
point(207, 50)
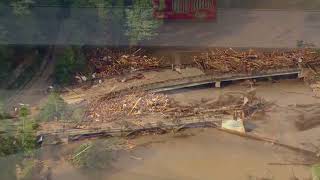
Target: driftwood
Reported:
point(222, 61)
point(88, 136)
point(153, 130)
point(78, 135)
point(108, 62)
point(177, 128)
point(196, 125)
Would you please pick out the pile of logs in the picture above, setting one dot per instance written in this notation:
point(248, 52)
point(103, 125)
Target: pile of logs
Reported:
point(231, 61)
point(108, 63)
point(137, 104)
point(130, 105)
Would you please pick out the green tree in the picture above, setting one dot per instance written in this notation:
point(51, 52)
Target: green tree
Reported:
point(141, 25)
point(18, 147)
point(113, 21)
point(55, 108)
point(137, 20)
point(27, 131)
point(22, 139)
point(71, 61)
point(22, 7)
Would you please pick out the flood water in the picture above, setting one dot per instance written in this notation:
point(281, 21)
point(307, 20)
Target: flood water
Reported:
point(207, 154)
point(197, 153)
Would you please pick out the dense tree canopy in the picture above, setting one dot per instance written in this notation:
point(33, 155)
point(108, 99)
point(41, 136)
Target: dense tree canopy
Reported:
point(68, 22)
point(113, 20)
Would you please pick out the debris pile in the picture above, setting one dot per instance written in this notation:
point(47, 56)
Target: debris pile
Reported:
point(142, 103)
point(231, 61)
point(110, 63)
point(133, 104)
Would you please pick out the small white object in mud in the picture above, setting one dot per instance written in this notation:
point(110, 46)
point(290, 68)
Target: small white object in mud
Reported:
point(93, 75)
point(178, 69)
point(78, 79)
point(84, 78)
point(124, 80)
point(234, 125)
point(132, 69)
point(245, 101)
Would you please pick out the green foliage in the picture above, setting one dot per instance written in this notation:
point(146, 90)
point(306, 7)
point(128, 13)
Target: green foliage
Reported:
point(316, 172)
point(22, 7)
point(117, 22)
point(27, 131)
point(71, 61)
point(24, 112)
point(140, 22)
point(2, 112)
point(55, 108)
point(8, 146)
point(23, 139)
point(27, 139)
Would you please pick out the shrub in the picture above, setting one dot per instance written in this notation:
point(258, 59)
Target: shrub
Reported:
point(23, 137)
point(71, 61)
point(55, 108)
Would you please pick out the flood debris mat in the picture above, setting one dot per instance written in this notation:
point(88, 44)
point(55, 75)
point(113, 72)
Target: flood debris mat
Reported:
point(138, 104)
point(108, 63)
point(231, 61)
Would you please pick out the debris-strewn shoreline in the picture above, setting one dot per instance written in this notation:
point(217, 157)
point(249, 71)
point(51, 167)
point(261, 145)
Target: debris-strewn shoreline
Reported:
point(109, 63)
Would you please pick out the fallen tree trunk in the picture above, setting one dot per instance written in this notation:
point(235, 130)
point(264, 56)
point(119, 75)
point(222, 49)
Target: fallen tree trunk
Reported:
point(179, 127)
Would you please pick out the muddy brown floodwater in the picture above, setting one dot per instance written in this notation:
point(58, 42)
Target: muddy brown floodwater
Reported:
point(211, 154)
point(206, 154)
point(278, 122)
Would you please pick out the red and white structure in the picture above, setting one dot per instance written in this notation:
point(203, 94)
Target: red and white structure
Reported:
point(185, 9)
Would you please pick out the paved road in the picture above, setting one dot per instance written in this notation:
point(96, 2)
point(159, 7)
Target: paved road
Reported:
point(233, 28)
point(245, 28)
